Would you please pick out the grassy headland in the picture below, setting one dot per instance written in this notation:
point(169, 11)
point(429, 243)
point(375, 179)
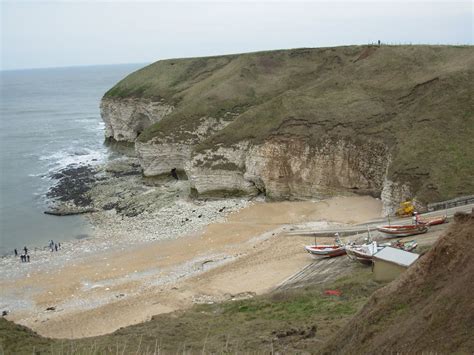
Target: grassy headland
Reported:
point(417, 100)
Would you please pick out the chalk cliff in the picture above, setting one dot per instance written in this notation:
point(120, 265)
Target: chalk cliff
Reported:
point(393, 121)
point(126, 119)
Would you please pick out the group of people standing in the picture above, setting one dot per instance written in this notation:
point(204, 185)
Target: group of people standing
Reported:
point(54, 246)
point(25, 257)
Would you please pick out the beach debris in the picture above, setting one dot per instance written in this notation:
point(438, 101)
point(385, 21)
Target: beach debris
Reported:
point(51, 308)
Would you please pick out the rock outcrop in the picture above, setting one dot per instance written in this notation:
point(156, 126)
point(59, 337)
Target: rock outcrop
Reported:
point(160, 158)
point(291, 169)
point(159, 155)
point(392, 194)
point(221, 172)
point(126, 119)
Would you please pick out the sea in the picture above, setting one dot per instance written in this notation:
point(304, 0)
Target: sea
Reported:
point(49, 119)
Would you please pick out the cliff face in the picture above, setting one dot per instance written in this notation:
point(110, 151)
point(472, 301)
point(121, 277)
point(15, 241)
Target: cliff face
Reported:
point(291, 168)
point(159, 156)
point(395, 122)
point(126, 119)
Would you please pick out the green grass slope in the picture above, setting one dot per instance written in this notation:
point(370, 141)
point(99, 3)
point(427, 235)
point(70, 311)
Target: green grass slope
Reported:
point(416, 99)
point(287, 321)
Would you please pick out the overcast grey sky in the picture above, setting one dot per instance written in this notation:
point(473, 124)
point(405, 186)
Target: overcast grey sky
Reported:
point(67, 33)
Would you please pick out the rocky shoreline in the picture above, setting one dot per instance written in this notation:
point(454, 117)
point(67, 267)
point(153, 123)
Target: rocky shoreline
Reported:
point(116, 196)
point(124, 209)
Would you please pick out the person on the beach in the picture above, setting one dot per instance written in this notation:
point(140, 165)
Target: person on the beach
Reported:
point(56, 247)
point(16, 252)
point(22, 257)
point(25, 249)
point(59, 245)
point(28, 258)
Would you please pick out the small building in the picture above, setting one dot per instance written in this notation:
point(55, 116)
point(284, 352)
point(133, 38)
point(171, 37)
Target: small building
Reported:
point(390, 262)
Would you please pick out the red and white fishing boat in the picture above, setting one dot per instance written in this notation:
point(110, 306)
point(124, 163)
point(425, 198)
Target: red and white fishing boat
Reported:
point(394, 231)
point(326, 250)
point(432, 221)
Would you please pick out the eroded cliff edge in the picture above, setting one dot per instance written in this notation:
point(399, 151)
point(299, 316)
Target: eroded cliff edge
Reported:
point(391, 121)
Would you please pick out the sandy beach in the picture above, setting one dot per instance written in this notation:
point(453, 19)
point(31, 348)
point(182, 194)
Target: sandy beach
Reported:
point(115, 278)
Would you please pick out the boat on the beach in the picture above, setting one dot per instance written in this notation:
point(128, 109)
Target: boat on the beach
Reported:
point(363, 253)
point(325, 251)
point(432, 221)
point(394, 231)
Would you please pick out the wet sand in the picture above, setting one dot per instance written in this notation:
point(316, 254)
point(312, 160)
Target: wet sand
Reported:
point(98, 292)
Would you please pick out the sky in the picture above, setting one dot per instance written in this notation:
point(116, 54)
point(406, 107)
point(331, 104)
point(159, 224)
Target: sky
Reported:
point(38, 34)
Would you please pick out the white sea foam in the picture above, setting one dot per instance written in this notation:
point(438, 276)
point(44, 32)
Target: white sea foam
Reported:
point(71, 156)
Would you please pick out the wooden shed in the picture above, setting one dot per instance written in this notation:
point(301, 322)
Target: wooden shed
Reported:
point(390, 262)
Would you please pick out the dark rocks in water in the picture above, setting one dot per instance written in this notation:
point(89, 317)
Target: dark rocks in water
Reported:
point(72, 192)
point(73, 184)
point(69, 212)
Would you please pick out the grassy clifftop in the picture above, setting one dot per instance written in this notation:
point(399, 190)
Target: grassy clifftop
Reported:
point(416, 99)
